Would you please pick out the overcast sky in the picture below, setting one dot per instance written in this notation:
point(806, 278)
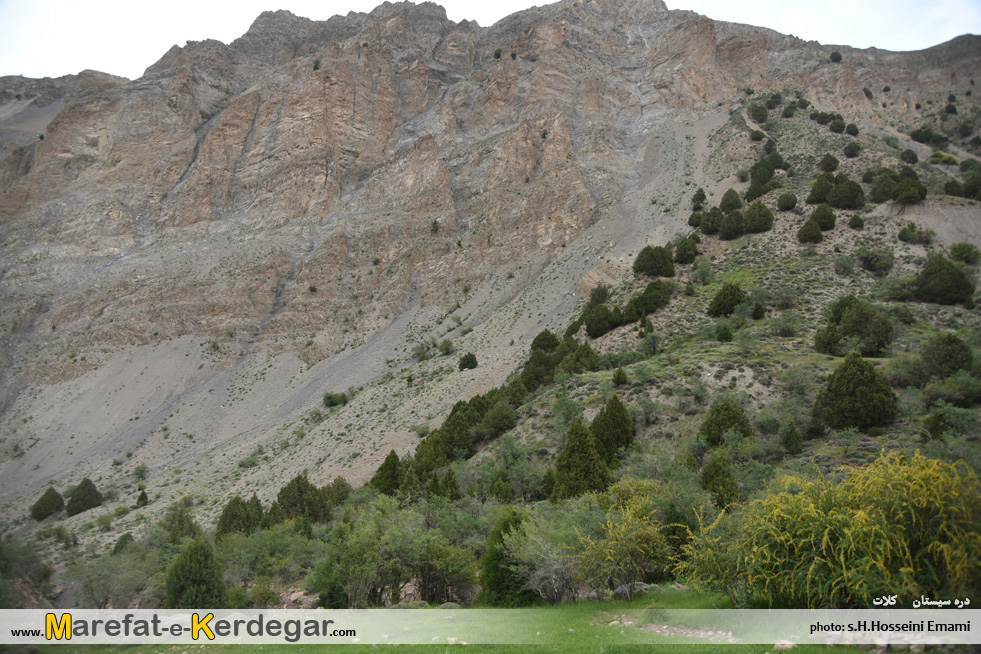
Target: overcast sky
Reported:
point(49, 38)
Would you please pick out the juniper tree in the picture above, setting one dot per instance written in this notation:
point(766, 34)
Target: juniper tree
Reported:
point(579, 467)
point(726, 300)
point(856, 395)
point(48, 504)
point(612, 429)
point(85, 496)
point(195, 579)
point(725, 415)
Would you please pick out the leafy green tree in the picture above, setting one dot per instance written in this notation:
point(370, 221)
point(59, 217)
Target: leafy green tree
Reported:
point(726, 300)
point(48, 504)
point(612, 429)
point(942, 282)
point(500, 585)
point(178, 523)
point(654, 261)
point(619, 377)
point(725, 415)
point(786, 201)
point(468, 361)
point(730, 201)
point(194, 579)
point(945, 354)
point(499, 419)
point(85, 496)
point(856, 395)
point(579, 467)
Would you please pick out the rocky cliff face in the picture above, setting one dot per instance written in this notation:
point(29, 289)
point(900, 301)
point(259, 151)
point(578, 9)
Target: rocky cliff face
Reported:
point(322, 191)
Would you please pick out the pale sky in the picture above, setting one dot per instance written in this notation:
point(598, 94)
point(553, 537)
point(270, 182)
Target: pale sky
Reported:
point(50, 38)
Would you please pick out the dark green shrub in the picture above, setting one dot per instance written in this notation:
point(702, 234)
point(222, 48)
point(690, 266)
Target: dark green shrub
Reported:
point(852, 150)
point(856, 222)
point(942, 282)
point(910, 233)
point(758, 218)
point(685, 251)
point(960, 389)
point(819, 190)
point(695, 219)
point(717, 478)
point(335, 399)
point(965, 252)
point(837, 126)
point(954, 188)
point(698, 199)
point(468, 361)
point(827, 338)
point(500, 585)
point(835, 57)
point(847, 195)
point(908, 156)
point(790, 438)
point(828, 163)
point(756, 135)
point(48, 504)
point(731, 226)
point(824, 217)
point(726, 300)
point(882, 188)
point(710, 221)
point(545, 341)
point(758, 113)
point(386, 478)
point(856, 395)
point(786, 201)
point(85, 496)
point(724, 416)
point(950, 109)
point(907, 172)
point(851, 129)
point(876, 261)
point(723, 332)
point(730, 201)
point(945, 354)
point(863, 321)
point(619, 377)
point(789, 111)
point(654, 261)
point(612, 429)
point(195, 579)
point(810, 232)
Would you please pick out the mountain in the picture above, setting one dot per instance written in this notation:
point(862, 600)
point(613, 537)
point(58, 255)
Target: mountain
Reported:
point(192, 259)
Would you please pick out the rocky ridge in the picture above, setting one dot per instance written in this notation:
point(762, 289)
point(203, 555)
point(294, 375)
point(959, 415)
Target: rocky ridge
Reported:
point(191, 259)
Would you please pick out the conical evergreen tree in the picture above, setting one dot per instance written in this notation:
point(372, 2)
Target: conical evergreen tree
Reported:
point(579, 468)
point(239, 516)
point(86, 496)
point(49, 503)
point(195, 580)
point(386, 479)
point(451, 487)
point(717, 478)
point(142, 500)
point(942, 282)
point(856, 395)
point(612, 429)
